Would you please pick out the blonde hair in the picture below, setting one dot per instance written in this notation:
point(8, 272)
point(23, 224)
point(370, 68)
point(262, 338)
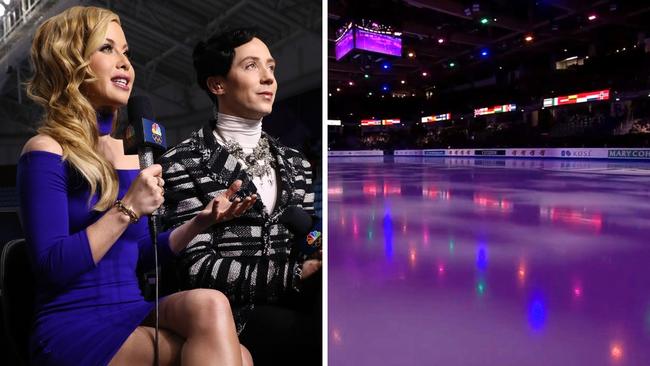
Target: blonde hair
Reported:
point(60, 55)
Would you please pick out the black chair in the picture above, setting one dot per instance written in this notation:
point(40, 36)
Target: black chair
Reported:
point(17, 290)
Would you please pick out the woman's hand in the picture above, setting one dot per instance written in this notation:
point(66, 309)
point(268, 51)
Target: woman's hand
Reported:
point(224, 207)
point(145, 194)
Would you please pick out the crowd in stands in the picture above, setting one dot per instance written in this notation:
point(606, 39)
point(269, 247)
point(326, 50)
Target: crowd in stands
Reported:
point(578, 126)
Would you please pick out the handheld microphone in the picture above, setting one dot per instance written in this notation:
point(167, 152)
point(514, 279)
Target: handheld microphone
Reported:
point(144, 136)
point(300, 223)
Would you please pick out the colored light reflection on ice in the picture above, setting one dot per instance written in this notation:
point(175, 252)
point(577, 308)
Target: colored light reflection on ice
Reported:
point(522, 272)
point(336, 336)
point(616, 351)
point(335, 191)
point(413, 256)
point(452, 246)
point(577, 291)
point(481, 258)
point(486, 202)
point(572, 218)
point(388, 234)
point(537, 313)
point(434, 193)
point(576, 288)
point(441, 269)
point(481, 286)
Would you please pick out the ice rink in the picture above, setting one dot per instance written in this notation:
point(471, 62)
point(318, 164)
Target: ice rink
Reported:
point(462, 261)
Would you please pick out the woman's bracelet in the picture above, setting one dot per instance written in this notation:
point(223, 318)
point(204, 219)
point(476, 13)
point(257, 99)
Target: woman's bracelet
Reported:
point(128, 211)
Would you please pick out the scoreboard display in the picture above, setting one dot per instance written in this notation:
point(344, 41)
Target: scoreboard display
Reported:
point(591, 96)
point(436, 118)
point(496, 109)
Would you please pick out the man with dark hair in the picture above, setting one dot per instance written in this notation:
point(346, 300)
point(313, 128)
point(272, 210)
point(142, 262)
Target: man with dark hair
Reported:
point(251, 258)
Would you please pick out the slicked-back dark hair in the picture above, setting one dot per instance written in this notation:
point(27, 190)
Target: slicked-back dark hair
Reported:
point(214, 56)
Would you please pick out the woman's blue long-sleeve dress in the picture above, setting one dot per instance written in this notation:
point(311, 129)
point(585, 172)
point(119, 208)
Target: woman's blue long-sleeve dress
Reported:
point(84, 311)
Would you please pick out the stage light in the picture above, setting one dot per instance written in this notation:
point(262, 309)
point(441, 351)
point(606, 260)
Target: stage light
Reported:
point(485, 52)
point(384, 88)
point(485, 21)
point(452, 64)
point(370, 94)
point(424, 73)
point(411, 54)
point(441, 40)
point(366, 76)
point(338, 89)
point(351, 83)
point(592, 17)
point(528, 38)
point(330, 94)
point(385, 66)
point(403, 81)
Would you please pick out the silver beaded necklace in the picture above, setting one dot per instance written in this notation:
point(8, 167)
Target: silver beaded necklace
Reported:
point(261, 154)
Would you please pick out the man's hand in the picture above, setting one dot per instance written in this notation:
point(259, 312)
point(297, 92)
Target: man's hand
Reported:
point(309, 267)
point(224, 207)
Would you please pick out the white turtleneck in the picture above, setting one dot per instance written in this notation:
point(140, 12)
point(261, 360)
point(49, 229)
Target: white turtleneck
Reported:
point(247, 133)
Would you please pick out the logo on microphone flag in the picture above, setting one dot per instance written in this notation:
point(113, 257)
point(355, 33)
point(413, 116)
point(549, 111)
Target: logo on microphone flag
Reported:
point(312, 237)
point(156, 133)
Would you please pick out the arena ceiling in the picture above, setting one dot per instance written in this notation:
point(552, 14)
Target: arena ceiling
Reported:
point(448, 39)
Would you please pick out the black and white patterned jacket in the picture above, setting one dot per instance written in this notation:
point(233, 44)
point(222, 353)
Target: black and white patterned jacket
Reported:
point(247, 258)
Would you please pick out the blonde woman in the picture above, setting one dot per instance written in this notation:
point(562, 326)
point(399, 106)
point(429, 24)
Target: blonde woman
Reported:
point(81, 199)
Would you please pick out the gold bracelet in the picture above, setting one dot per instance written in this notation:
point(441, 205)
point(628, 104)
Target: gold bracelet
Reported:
point(128, 211)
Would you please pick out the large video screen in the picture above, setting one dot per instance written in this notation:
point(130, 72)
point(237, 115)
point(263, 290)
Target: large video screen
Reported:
point(380, 43)
point(496, 109)
point(345, 44)
point(356, 38)
point(591, 96)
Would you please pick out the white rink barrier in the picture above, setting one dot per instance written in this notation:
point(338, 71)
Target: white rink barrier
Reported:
point(356, 153)
point(557, 153)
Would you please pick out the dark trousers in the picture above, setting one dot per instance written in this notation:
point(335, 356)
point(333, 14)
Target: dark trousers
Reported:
point(289, 333)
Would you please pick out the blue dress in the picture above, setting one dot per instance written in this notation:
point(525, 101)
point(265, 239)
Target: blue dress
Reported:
point(84, 311)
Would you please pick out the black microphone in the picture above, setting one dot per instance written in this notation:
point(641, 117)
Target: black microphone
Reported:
point(300, 223)
point(145, 136)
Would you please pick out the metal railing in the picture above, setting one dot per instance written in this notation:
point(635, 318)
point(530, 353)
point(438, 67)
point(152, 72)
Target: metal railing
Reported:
point(15, 15)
